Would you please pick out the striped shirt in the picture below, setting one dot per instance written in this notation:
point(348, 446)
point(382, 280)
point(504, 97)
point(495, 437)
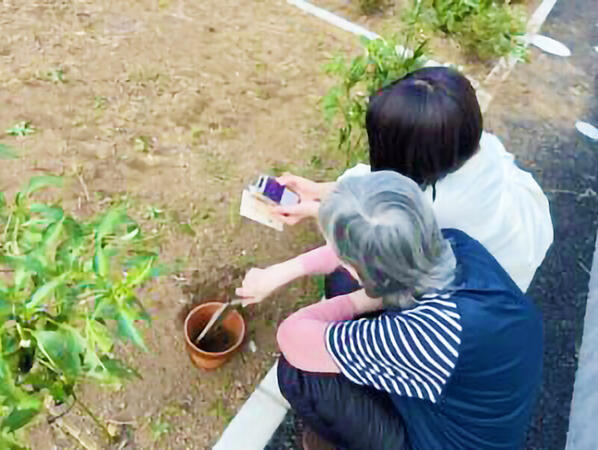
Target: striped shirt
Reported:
point(411, 353)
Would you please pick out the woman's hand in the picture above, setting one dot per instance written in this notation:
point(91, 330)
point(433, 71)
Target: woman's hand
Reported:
point(310, 193)
point(293, 214)
point(306, 189)
point(260, 283)
point(257, 285)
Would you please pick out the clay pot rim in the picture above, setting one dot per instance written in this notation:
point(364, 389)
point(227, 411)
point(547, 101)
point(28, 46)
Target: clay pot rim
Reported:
point(228, 350)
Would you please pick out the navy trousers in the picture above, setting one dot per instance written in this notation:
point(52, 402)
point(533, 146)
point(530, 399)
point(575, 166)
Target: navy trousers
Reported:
point(349, 416)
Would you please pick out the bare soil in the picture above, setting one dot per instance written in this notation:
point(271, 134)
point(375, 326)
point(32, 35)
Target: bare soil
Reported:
point(171, 107)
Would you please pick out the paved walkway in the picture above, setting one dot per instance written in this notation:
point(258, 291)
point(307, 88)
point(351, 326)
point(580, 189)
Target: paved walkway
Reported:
point(584, 407)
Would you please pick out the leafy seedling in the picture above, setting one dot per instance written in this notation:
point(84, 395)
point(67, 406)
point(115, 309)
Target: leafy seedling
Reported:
point(68, 291)
point(345, 104)
point(100, 102)
point(56, 75)
point(159, 429)
point(486, 28)
point(143, 144)
point(23, 128)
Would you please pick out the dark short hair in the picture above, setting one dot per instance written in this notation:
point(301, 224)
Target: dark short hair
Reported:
point(424, 125)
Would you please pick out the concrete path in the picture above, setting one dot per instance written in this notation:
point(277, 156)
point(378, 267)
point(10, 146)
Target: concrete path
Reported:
point(584, 407)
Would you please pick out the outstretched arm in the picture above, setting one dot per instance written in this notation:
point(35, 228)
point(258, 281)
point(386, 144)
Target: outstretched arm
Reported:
point(260, 283)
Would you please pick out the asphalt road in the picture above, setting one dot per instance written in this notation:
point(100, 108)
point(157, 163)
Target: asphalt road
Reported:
point(539, 128)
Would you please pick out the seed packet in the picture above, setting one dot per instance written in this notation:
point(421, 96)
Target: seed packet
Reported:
point(255, 208)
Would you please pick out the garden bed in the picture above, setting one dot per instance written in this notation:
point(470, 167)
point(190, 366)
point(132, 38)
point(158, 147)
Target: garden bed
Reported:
point(171, 108)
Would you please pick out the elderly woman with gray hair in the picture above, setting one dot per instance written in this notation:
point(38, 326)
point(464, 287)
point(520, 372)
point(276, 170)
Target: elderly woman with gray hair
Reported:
point(439, 350)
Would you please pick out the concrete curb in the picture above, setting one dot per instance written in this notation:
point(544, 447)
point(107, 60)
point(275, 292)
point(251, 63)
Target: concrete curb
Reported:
point(584, 405)
point(258, 418)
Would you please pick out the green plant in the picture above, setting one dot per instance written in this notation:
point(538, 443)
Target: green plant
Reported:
point(100, 102)
point(486, 28)
point(159, 428)
point(497, 30)
point(371, 6)
point(383, 61)
point(23, 128)
point(67, 290)
point(56, 76)
point(143, 144)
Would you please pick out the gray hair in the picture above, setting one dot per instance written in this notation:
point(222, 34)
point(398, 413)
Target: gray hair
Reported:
point(382, 225)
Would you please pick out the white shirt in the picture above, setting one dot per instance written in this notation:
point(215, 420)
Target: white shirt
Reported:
point(496, 203)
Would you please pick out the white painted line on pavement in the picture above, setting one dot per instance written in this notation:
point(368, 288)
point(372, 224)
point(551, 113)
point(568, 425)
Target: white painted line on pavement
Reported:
point(333, 19)
point(584, 406)
point(354, 28)
point(505, 65)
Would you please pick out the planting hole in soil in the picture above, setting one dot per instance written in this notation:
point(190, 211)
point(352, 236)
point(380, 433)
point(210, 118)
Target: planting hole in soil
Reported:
point(216, 341)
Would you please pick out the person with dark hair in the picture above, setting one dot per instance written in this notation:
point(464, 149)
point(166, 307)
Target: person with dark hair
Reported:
point(452, 358)
point(425, 125)
point(428, 126)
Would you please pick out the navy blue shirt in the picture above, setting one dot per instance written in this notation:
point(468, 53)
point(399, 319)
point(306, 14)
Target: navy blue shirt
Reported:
point(463, 367)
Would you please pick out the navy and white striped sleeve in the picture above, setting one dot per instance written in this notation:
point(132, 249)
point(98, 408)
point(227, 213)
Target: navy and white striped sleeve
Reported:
point(410, 354)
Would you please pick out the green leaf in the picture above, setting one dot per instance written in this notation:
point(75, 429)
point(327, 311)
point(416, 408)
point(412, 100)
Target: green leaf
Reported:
point(50, 240)
point(23, 128)
point(63, 348)
point(8, 390)
point(60, 392)
point(110, 221)
point(118, 369)
point(54, 213)
point(8, 442)
point(5, 309)
point(331, 103)
point(44, 291)
point(129, 236)
point(41, 182)
point(139, 275)
point(7, 152)
point(23, 414)
point(126, 327)
point(101, 263)
point(98, 334)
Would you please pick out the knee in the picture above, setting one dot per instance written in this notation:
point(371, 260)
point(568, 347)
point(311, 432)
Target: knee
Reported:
point(288, 379)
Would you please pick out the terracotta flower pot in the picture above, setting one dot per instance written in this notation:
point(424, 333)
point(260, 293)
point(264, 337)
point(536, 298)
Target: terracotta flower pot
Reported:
point(218, 345)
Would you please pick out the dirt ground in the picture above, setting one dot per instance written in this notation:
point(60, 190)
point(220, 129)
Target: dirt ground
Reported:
point(172, 106)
